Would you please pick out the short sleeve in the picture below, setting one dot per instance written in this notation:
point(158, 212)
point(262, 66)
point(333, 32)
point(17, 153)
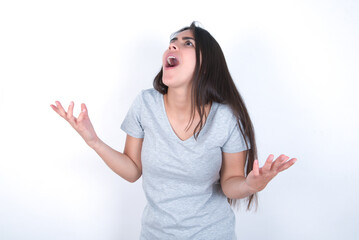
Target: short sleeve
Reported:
point(235, 141)
point(132, 122)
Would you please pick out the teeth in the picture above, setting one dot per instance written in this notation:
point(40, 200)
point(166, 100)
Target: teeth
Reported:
point(169, 59)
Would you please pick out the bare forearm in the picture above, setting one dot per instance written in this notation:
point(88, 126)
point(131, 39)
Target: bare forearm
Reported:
point(236, 188)
point(119, 163)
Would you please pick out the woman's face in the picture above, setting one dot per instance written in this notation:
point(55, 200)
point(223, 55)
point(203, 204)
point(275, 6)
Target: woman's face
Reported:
point(179, 60)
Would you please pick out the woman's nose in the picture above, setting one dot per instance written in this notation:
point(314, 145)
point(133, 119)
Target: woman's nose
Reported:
point(173, 46)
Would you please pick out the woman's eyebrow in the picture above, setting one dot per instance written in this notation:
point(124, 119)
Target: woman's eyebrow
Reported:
point(183, 38)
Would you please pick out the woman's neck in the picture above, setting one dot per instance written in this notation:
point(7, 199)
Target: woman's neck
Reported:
point(178, 102)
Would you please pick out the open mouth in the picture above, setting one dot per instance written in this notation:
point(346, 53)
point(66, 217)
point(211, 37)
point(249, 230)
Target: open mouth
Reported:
point(172, 61)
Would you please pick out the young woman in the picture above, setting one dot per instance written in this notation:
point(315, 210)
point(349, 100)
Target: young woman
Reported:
point(192, 141)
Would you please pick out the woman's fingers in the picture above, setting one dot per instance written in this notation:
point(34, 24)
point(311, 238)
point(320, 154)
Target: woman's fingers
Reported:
point(83, 112)
point(61, 110)
point(281, 159)
point(58, 109)
point(276, 166)
point(70, 109)
point(70, 116)
point(286, 165)
point(55, 108)
point(256, 168)
point(268, 163)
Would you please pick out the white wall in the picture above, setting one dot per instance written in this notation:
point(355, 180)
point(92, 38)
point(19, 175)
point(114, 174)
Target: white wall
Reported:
point(295, 64)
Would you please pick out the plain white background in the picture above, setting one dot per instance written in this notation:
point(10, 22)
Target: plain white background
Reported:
point(294, 62)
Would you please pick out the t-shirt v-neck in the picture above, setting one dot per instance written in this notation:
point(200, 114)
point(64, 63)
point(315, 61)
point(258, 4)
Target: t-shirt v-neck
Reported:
point(164, 112)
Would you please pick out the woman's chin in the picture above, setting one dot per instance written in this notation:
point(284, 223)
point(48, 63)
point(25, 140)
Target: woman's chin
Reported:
point(169, 81)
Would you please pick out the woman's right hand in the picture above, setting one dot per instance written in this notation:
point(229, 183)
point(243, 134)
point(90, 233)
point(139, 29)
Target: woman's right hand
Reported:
point(82, 124)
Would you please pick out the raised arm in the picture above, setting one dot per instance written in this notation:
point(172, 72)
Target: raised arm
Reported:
point(127, 164)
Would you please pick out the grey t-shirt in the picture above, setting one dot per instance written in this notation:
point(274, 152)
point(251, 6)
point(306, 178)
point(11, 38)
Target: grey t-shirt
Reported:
point(181, 178)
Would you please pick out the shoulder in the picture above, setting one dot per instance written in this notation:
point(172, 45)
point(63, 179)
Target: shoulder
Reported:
point(224, 113)
point(148, 99)
point(149, 94)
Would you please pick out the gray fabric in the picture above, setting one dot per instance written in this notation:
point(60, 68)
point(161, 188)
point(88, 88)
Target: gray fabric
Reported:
point(181, 178)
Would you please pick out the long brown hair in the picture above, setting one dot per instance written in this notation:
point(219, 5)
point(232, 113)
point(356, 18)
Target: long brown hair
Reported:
point(212, 82)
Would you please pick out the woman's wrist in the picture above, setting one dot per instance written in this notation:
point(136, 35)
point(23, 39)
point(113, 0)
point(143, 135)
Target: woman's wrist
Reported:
point(248, 188)
point(95, 144)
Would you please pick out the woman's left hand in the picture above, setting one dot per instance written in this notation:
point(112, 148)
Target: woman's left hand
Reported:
point(258, 178)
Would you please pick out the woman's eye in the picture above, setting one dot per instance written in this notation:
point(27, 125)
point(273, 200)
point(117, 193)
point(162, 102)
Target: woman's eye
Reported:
point(188, 43)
